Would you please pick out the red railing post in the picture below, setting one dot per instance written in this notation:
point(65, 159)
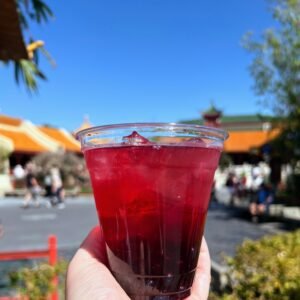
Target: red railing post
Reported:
point(52, 245)
point(51, 253)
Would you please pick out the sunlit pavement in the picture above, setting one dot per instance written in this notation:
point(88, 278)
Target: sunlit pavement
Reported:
point(29, 228)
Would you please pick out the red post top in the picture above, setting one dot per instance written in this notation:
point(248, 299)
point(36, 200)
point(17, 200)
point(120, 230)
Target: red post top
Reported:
point(52, 245)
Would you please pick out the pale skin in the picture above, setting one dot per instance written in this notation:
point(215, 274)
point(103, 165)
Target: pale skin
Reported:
point(89, 278)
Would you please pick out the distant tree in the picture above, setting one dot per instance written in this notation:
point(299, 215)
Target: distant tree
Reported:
point(276, 70)
point(71, 166)
point(225, 161)
point(4, 154)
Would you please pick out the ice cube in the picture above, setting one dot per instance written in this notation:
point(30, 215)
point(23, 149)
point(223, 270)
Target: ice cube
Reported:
point(202, 142)
point(195, 141)
point(135, 139)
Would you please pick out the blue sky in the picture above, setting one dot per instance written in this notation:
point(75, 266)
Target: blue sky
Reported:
point(141, 60)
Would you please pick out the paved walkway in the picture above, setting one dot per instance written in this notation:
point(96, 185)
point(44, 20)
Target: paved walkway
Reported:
point(226, 228)
point(29, 228)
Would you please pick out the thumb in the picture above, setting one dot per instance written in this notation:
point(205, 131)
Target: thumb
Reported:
point(200, 288)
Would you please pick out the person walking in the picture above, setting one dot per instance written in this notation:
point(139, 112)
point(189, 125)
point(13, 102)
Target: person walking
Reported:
point(32, 187)
point(57, 187)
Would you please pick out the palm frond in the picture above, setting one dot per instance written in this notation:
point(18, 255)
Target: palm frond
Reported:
point(42, 11)
point(28, 72)
point(48, 56)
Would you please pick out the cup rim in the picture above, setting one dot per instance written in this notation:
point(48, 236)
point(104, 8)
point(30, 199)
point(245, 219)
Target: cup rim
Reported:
point(217, 132)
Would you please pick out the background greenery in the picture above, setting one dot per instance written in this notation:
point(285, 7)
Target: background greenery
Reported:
point(268, 269)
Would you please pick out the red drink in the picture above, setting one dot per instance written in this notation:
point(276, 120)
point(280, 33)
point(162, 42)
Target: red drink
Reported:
point(152, 201)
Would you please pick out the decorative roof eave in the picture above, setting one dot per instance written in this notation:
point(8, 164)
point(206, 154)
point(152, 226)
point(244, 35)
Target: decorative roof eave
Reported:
point(22, 142)
point(4, 119)
point(36, 139)
point(63, 137)
point(70, 138)
point(212, 111)
point(32, 132)
point(246, 141)
point(40, 137)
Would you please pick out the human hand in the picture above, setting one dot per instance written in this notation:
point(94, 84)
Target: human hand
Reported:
point(89, 278)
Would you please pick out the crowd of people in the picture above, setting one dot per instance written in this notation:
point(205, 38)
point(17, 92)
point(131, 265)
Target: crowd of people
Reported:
point(51, 187)
point(259, 191)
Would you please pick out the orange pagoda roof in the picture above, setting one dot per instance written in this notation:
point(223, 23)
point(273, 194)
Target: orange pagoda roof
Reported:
point(10, 121)
point(22, 142)
point(27, 137)
point(244, 141)
point(65, 139)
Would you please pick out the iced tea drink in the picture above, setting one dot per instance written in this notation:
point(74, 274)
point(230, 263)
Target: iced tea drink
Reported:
point(152, 193)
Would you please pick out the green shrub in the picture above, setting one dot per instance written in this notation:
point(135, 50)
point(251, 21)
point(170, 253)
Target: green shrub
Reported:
point(36, 283)
point(225, 161)
point(72, 168)
point(268, 269)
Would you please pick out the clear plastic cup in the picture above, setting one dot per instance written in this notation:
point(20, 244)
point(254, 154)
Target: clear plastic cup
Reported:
point(152, 184)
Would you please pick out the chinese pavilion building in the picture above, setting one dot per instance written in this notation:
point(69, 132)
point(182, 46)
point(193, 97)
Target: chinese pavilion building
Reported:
point(249, 135)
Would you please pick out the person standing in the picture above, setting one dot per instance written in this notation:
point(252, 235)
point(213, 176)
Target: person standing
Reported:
point(18, 172)
point(57, 187)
